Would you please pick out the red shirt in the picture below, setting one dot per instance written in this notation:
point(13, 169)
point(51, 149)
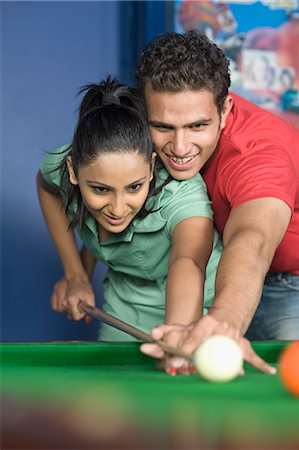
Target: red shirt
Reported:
point(257, 156)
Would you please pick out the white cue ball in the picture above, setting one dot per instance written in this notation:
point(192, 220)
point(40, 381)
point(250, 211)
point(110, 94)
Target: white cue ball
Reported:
point(218, 358)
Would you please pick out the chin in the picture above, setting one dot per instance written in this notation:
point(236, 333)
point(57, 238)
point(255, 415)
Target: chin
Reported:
point(182, 175)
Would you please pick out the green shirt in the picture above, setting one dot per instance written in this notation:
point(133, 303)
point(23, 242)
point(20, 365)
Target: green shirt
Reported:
point(137, 258)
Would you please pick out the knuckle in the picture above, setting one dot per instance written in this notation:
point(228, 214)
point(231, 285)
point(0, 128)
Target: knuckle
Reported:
point(191, 343)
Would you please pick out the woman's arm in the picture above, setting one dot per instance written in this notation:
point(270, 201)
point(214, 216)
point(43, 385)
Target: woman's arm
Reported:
point(191, 248)
point(75, 285)
point(88, 262)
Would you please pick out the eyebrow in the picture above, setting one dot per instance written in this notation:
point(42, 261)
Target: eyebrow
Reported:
point(186, 125)
point(90, 182)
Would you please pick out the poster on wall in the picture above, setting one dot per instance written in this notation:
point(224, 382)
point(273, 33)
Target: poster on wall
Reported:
point(261, 40)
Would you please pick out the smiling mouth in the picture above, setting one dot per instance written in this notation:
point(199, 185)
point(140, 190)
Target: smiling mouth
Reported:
point(184, 163)
point(115, 220)
point(181, 160)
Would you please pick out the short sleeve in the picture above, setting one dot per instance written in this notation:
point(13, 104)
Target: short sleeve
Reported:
point(50, 166)
point(266, 172)
point(184, 199)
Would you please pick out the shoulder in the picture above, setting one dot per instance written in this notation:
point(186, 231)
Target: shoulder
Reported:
point(179, 188)
point(249, 124)
point(182, 199)
point(51, 164)
point(56, 156)
point(175, 202)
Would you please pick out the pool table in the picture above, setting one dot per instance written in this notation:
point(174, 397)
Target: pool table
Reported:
point(96, 395)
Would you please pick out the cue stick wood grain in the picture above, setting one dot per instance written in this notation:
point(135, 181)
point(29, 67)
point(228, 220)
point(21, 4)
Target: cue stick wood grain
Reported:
point(99, 314)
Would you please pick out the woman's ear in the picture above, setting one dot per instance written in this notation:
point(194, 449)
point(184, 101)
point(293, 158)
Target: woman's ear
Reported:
point(154, 156)
point(72, 176)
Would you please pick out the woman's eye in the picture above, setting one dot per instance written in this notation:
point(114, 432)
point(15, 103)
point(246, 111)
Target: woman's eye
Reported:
point(135, 187)
point(100, 189)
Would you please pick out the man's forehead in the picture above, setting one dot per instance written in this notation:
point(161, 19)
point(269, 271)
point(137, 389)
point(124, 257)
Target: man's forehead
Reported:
point(185, 95)
point(184, 108)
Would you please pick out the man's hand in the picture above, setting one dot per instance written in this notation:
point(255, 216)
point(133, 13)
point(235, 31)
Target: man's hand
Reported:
point(188, 338)
point(67, 294)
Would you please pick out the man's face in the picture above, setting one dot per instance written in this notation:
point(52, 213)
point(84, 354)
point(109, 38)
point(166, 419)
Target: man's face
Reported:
point(185, 128)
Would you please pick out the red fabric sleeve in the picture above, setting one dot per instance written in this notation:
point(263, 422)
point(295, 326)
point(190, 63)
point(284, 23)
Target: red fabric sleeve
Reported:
point(264, 172)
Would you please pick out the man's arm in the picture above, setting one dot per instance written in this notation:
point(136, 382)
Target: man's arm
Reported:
point(251, 237)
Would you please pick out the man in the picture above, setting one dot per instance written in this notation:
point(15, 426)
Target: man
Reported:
point(249, 160)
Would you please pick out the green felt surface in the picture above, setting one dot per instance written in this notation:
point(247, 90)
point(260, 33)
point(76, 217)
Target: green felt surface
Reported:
point(115, 380)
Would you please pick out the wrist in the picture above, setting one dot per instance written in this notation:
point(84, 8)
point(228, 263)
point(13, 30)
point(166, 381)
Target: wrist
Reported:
point(77, 276)
point(232, 320)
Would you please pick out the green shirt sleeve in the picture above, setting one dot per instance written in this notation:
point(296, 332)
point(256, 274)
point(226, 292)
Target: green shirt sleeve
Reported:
point(50, 166)
point(181, 200)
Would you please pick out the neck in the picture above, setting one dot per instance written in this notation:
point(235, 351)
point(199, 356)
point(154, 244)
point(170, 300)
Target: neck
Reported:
point(103, 234)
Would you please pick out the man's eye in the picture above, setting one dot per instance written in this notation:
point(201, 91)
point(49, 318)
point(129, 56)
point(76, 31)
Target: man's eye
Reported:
point(135, 187)
point(197, 126)
point(161, 128)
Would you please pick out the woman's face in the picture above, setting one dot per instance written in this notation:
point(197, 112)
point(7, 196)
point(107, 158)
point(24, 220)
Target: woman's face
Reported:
point(114, 187)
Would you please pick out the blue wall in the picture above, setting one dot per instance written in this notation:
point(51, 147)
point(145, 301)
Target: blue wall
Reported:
point(49, 50)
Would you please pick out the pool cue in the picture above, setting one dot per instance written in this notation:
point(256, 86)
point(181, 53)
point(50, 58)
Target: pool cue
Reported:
point(98, 313)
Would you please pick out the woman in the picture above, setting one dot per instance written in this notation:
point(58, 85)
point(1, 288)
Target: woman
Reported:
point(154, 233)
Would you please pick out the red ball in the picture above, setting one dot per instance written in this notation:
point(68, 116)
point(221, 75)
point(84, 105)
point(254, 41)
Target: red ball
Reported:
point(289, 367)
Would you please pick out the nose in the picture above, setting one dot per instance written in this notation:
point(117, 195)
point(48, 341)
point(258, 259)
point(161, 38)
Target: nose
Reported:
point(117, 205)
point(180, 145)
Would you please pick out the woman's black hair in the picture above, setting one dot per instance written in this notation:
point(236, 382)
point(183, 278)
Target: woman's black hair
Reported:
point(112, 118)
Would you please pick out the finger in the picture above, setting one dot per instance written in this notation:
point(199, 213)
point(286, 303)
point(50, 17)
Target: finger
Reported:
point(186, 367)
point(58, 303)
point(64, 309)
point(73, 308)
point(76, 314)
point(174, 365)
point(71, 311)
point(54, 302)
point(61, 308)
point(152, 350)
point(176, 362)
point(254, 359)
point(161, 330)
point(168, 367)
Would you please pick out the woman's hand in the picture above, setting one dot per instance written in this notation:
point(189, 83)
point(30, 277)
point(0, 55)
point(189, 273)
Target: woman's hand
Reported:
point(171, 335)
point(67, 294)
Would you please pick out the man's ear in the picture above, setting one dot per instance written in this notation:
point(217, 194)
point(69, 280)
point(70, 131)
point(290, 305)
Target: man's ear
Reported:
point(154, 156)
point(70, 169)
point(227, 106)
